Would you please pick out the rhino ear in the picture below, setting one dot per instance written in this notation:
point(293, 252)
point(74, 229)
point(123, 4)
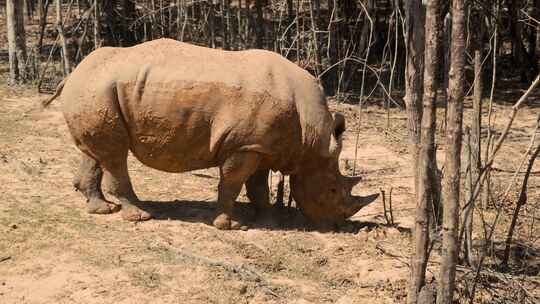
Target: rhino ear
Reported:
point(339, 125)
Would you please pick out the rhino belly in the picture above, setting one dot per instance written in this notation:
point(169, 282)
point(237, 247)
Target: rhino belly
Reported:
point(171, 142)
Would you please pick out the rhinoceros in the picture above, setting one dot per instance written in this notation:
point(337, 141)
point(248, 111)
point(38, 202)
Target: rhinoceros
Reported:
point(179, 107)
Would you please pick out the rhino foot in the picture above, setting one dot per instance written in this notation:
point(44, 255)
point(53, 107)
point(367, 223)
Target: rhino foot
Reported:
point(99, 206)
point(134, 214)
point(224, 222)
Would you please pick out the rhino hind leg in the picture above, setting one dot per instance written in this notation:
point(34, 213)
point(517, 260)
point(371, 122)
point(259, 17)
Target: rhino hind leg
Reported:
point(234, 172)
point(88, 182)
point(119, 185)
point(258, 192)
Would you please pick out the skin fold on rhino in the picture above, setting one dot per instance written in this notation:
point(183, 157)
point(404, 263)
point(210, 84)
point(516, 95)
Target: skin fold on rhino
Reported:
point(179, 107)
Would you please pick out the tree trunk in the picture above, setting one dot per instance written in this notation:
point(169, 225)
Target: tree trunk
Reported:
point(212, 23)
point(413, 77)
point(537, 48)
point(16, 41)
point(111, 31)
point(366, 26)
point(224, 17)
point(97, 24)
point(521, 57)
point(451, 181)
point(475, 133)
point(446, 47)
point(333, 47)
point(230, 31)
point(63, 43)
point(290, 19)
point(425, 162)
point(129, 16)
point(259, 25)
point(43, 7)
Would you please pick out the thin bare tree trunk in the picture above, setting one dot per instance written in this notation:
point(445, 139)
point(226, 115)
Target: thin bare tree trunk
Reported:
point(475, 134)
point(225, 36)
point(333, 45)
point(230, 30)
point(413, 77)
point(537, 48)
point(16, 41)
point(259, 25)
point(212, 23)
point(425, 162)
point(314, 35)
point(60, 29)
point(43, 7)
point(290, 19)
point(451, 180)
point(97, 24)
point(129, 16)
point(447, 44)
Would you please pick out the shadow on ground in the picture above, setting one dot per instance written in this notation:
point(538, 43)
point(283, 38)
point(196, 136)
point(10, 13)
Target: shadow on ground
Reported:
point(278, 218)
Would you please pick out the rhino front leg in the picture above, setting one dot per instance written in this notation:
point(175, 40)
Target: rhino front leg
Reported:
point(234, 172)
point(258, 192)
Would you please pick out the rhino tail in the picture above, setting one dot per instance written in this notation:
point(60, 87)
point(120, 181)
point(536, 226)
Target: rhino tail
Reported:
point(57, 93)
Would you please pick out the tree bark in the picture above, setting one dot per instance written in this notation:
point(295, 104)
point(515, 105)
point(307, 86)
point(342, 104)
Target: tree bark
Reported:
point(537, 48)
point(476, 124)
point(212, 23)
point(43, 7)
point(16, 41)
point(313, 17)
point(224, 17)
point(413, 77)
point(97, 24)
point(333, 47)
point(259, 26)
point(451, 180)
point(63, 43)
point(425, 162)
point(129, 38)
point(520, 54)
point(446, 47)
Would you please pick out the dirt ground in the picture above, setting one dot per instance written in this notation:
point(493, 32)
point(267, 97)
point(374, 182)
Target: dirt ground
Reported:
point(58, 253)
point(51, 251)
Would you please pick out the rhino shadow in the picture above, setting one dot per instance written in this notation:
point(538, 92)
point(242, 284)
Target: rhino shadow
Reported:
point(283, 218)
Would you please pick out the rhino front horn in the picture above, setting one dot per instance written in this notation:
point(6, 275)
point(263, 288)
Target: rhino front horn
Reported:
point(359, 202)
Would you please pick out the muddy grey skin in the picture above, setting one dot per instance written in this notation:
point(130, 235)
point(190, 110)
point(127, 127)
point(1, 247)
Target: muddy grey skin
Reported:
point(179, 107)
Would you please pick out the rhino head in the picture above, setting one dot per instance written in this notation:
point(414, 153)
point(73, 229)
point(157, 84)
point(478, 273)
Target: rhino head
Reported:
point(322, 193)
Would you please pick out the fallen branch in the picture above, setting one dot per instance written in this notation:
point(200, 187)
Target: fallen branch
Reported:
point(6, 258)
point(242, 271)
